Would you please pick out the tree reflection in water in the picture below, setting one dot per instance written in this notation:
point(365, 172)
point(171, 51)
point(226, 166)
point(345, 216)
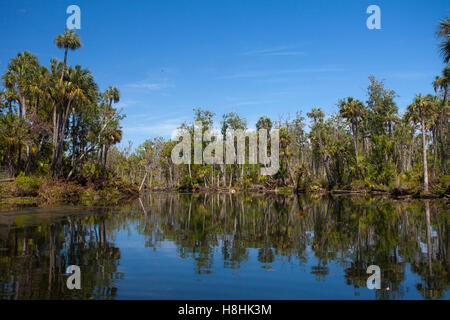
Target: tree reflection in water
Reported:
point(221, 231)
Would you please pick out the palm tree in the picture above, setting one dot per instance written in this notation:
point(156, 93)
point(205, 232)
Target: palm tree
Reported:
point(417, 112)
point(353, 110)
point(13, 134)
point(2, 100)
point(113, 136)
point(79, 89)
point(444, 32)
point(317, 115)
point(112, 94)
point(9, 97)
point(264, 123)
point(20, 77)
point(68, 40)
point(442, 83)
point(433, 125)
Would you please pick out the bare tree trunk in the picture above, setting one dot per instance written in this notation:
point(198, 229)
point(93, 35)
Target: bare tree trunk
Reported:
point(142, 183)
point(170, 175)
point(425, 163)
point(105, 155)
point(224, 175)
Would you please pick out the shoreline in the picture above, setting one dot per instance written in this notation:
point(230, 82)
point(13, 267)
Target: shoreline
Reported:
point(394, 193)
point(25, 202)
point(115, 191)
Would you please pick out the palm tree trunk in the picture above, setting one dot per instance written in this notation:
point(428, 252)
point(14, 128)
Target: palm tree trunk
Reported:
point(425, 163)
point(23, 107)
point(105, 155)
point(224, 175)
point(65, 62)
point(170, 175)
point(355, 140)
point(57, 124)
point(435, 151)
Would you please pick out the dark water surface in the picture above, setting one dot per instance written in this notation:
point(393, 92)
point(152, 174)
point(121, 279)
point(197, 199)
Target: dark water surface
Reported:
point(217, 246)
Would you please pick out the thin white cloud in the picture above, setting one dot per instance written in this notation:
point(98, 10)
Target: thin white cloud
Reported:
point(244, 101)
point(126, 103)
point(247, 103)
point(150, 86)
point(277, 51)
point(267, 73)
point(409, 75)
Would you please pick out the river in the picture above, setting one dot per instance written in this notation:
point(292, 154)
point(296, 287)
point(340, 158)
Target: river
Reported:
point(223, 246)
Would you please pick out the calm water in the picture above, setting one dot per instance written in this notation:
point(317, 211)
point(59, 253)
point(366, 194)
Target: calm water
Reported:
point(183, 246)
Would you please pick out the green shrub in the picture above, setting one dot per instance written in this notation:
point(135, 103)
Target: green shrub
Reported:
point(27, 186)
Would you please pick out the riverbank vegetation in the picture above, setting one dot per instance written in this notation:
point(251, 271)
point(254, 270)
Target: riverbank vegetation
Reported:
point(56, 128)
point(59, 134)
point(367, 146)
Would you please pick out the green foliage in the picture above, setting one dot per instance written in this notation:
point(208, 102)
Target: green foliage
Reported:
point(34, 99)
point(27, 186)
point(365, 145)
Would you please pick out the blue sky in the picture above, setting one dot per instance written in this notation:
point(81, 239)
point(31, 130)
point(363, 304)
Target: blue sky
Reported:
point(251, 57)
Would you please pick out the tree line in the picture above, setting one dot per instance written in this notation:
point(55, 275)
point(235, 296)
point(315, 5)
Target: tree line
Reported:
point(366, 145)
point(54, 120)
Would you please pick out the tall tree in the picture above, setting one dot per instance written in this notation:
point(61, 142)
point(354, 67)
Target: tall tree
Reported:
point(234, 122)
point(441, 83)
point(80, 88)
point(383, 109)
point(20, 78)
point(112, 94)
point(264, 123)
point(444, 32)
point(317, 115)
point(352, 110)
point(68, 40)
point(418, 112)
